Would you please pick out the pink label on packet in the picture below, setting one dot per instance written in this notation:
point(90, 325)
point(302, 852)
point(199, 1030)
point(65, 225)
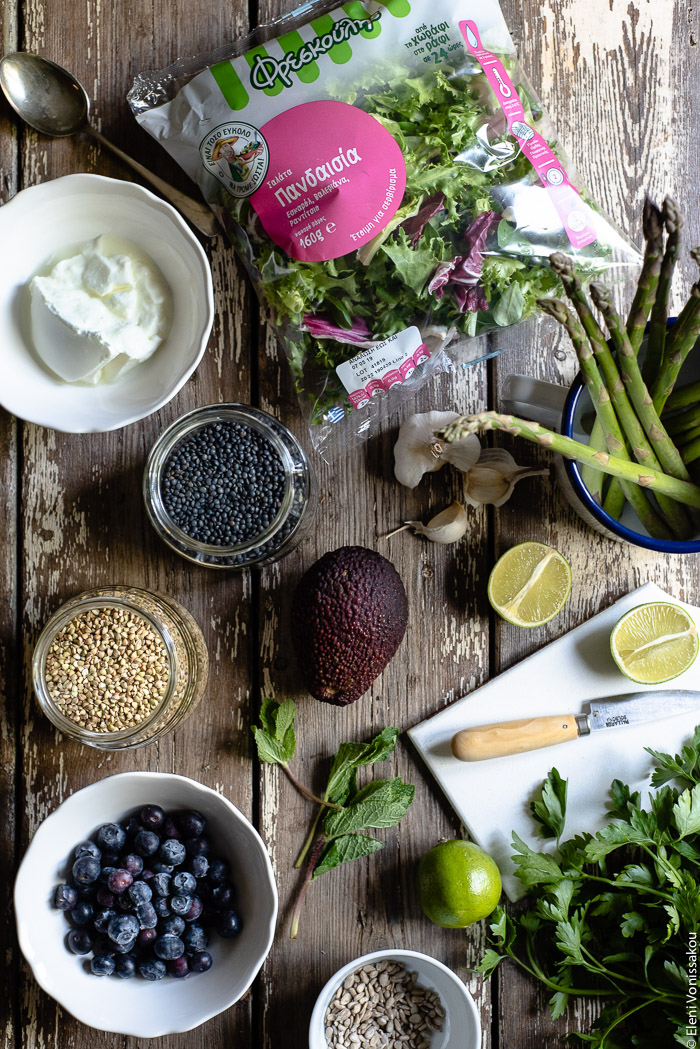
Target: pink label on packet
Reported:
point(358, 398)
point(407, 368)
point(335, 179)
point(572, 211)
point(374, 386)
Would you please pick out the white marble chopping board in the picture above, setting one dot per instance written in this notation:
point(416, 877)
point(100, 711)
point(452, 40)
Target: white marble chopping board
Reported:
point(492, 797)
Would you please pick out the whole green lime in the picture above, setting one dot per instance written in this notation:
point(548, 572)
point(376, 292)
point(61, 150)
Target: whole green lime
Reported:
point(458, 884)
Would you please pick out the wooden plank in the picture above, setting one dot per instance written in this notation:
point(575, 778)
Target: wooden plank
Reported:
point(609, 76)
point(83, 519)
point(9, 628)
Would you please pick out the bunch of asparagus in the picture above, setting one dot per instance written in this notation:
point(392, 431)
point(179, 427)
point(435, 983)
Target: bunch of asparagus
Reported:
point(646, 433)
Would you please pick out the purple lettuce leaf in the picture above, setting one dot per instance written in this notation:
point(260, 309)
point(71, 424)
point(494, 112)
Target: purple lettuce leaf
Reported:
point(415, 225)
point(324, 328)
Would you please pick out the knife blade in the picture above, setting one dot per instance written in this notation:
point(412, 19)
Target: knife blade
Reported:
point(499, 739)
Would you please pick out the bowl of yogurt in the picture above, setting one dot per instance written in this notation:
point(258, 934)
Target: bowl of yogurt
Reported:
point(106, 303)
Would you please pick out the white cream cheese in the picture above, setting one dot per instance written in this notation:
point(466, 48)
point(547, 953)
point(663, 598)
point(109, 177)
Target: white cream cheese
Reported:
point(98, 314)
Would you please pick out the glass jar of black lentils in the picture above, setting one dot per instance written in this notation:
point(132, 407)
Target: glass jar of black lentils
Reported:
point(119, 666)
point(229, 486)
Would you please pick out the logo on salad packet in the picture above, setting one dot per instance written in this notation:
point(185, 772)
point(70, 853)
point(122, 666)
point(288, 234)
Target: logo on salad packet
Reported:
point(237, 155)
point(387, 364)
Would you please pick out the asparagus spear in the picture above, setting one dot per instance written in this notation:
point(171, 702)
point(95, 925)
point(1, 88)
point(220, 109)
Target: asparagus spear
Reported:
point(675, 516)
point(679, 342)
point(691, 452)
point(665, 449)
point(593, 480)
point(687, 437)
point(643, 301)
point(614, 440)
point(682, 491)
point(673, 223)
point(678, 424)
point(683, 397)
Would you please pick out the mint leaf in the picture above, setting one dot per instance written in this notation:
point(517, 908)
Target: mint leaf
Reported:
point(276, 741)
point(351, 757)
point(345, 849)
point(549, 810)
point(382, 803)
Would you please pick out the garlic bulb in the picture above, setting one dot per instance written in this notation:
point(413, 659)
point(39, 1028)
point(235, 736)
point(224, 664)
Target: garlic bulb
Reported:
point(418, 451)
point(446, 527)
point(492, 479)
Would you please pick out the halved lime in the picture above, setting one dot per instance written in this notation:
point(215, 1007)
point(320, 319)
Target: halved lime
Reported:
point(654, 643)
point(529, 584)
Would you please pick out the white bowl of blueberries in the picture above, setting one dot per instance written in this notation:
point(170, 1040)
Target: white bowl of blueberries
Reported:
point(157, 904)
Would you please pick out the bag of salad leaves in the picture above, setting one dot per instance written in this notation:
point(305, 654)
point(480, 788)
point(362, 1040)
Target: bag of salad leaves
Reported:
point(391, 183)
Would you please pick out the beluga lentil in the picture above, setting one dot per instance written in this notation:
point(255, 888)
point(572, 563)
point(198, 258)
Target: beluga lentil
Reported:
point(224, 485)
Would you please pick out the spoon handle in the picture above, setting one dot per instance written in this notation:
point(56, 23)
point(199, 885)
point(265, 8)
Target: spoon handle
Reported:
point(198, 214)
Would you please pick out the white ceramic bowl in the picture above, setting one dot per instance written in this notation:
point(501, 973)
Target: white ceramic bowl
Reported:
point(45, 220)
point(461, 1027)
point(136, 1007)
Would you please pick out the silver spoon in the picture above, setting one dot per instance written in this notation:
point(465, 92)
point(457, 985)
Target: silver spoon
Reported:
point(53, 102)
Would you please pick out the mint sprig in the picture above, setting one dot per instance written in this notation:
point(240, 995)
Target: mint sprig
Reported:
point(349, 810)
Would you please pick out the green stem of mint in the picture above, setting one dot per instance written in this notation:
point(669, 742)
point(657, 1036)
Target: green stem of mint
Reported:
point(309, 841)
point(308, 875)
point(307, 793)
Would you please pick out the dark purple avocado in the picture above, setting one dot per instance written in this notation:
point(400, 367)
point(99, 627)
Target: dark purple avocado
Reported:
point(349, 616)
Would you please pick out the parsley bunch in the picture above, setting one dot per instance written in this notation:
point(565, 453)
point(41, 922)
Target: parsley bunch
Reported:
point(612, 915)
point(348, 809)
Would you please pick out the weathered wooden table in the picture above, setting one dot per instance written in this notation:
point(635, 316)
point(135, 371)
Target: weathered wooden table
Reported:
point(621, 81)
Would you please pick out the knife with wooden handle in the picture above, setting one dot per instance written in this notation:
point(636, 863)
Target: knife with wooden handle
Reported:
point(515, 737)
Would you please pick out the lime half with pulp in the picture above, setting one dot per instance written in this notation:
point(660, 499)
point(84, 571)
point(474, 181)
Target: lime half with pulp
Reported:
point(654, 643)
point(529, 584)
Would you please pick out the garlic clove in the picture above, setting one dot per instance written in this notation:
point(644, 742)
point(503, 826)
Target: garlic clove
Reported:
point(446, 527)
point(464, 454)
point(417, 451)
point(492, 480)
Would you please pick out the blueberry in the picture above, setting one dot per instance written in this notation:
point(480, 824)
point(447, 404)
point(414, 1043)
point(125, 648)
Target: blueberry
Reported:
point(180, 904)
point(112, 837)
point(124, 966)
point(172, 851)
point(161, 884)
point(140, 892)
point(199, 865)
point(218, 871)
point(133, 826)
point(123, 929)
point(132, 863)
point(105, 873)
point(147, 874)
point(79, 941)
point(197, 846)
point(200, 962)
point(146, 842)
point(151, 969)
point(88, 892)
point(146, 914)
point(146, 937)
point(171, 829)
point(178, 967)
point(192, 823)
point(123, 948)
point(103, 918)
point(174, 925)
point(223, 896)
point(104, 897)
point(169, 947)
point(110, 859)
point(152, 817)
point(87, 848)
point(86, 870)
point(65, 897)
point(196, 908)
point(162, 907)
point(102, 965)
point(163, 868)
point(228, 923)
point(184, 882)
point(123, 902)
point(119, 880)
point(195, 937)
point(82, 912)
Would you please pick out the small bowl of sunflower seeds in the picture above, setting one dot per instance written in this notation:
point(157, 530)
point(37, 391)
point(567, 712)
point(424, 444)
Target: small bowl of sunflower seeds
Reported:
point(395, 999)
